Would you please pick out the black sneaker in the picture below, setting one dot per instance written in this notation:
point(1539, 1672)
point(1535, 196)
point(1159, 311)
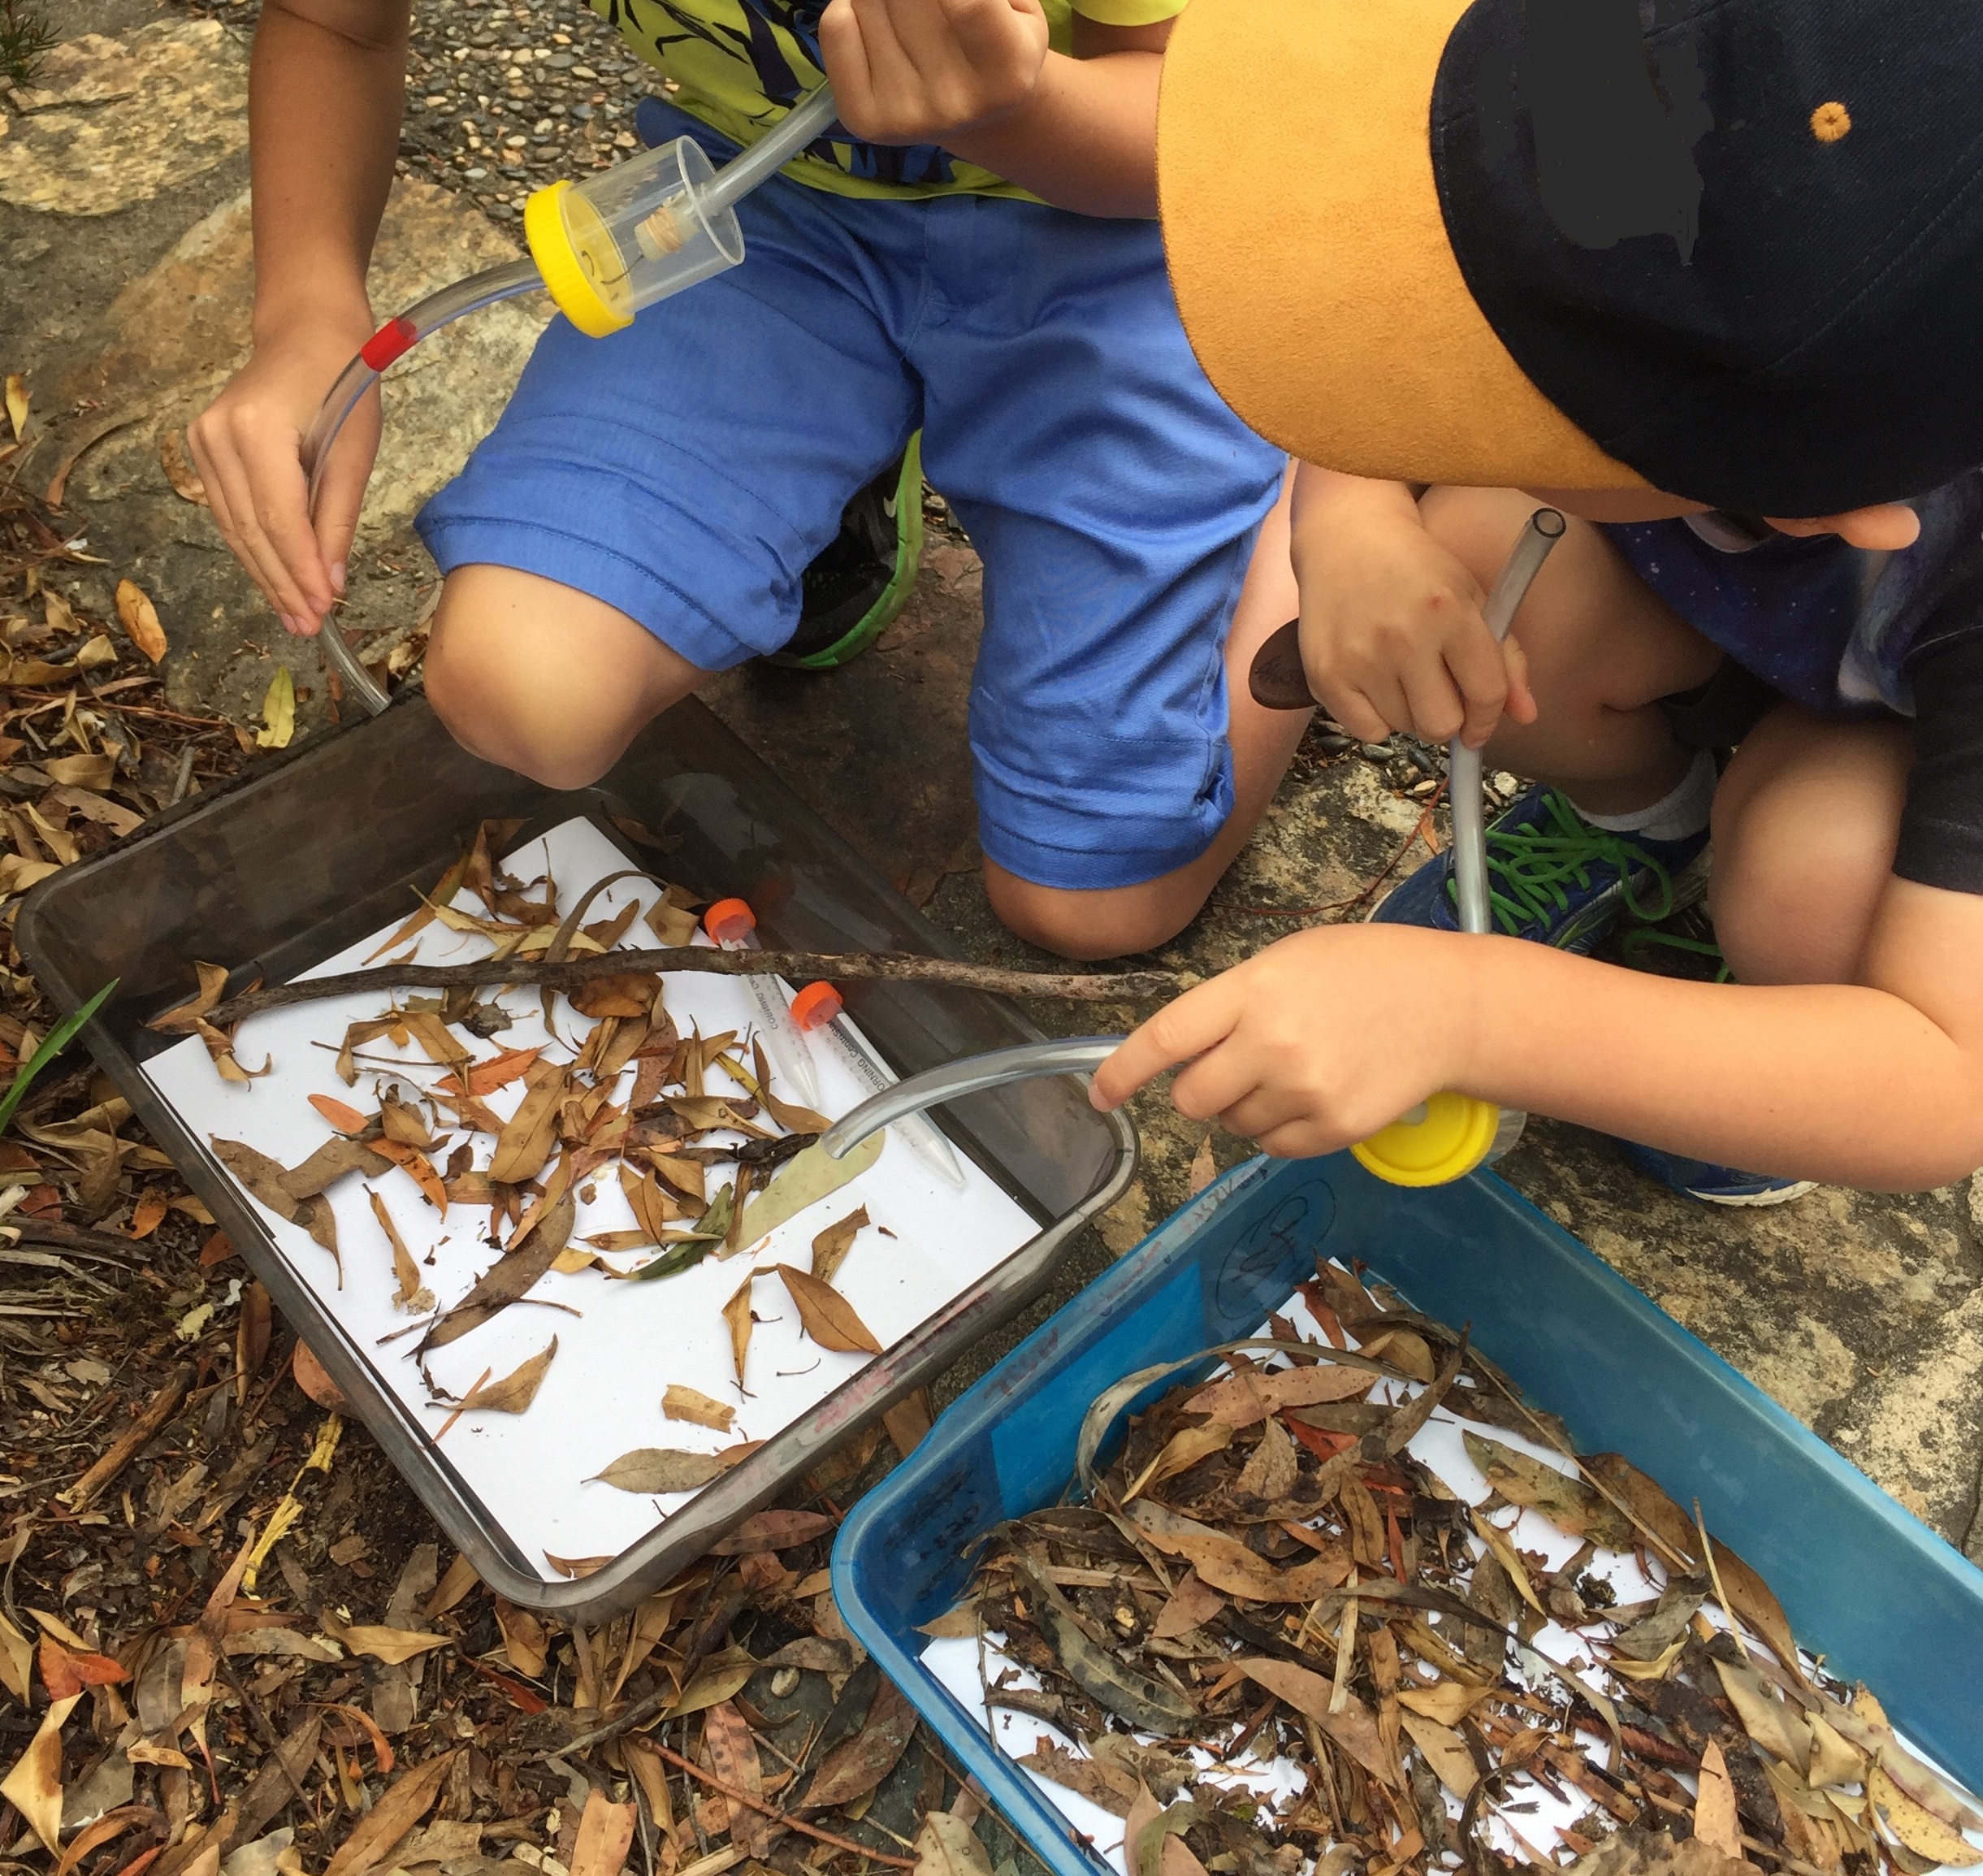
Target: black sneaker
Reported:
point(858, 585)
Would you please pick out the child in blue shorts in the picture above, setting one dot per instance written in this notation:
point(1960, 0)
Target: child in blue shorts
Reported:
point(1694, 276)
point(971, 252)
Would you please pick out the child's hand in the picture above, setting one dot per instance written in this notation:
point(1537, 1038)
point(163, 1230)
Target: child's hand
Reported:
point(1391, 632)
point(247, 446)
point(1317, 1042)
point(919, 71)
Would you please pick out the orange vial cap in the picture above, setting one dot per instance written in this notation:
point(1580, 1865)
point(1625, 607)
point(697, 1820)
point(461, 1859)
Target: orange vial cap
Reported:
point(816, 1006)
point(728, 920)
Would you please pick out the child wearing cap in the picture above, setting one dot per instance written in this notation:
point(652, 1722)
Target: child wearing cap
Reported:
point(971, 251)
point(1690, 279)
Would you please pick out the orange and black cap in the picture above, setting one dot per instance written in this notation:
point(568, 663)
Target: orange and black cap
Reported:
point(1729, 249)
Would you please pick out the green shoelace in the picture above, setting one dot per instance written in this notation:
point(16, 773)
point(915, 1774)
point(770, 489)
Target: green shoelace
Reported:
point(1531, 869)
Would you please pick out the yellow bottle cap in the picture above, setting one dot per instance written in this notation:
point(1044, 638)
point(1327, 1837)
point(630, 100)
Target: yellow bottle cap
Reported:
point(571, 262)
point(1455, 1135)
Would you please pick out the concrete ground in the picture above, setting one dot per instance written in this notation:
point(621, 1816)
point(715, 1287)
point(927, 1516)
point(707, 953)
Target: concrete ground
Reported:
point(123, 246)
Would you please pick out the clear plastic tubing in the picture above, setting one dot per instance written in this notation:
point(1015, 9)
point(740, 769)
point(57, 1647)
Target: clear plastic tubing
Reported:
point(819, 1012)
point(733, 926)
point(1466, 783)
point(1078, 1055)
point(674, 215)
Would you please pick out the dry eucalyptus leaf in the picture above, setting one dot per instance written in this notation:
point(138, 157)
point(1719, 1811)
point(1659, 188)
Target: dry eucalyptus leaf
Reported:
point(1567, 1502)
point(278, 707)
point(411, 1290)
point(1204, 1169)
point(34, 1785)
point(509, 1279)
point(514, 1392)
point(179, 471)
point(826, 1315)
point(737, 1313)
point(803, 1180)
point(789, 1115)
point(1715, 1820)
point(17, 403)
point(390, 1645)
point(661, 1469)
point(830, 1248)
point(681, 1403)
point(1243, 1400)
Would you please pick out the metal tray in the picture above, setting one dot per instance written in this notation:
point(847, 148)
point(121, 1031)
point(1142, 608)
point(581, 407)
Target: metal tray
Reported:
point(304, 855)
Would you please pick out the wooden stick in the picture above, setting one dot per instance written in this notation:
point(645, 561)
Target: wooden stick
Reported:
point(165, 1403)
point(772, 1812)
point(951, 973)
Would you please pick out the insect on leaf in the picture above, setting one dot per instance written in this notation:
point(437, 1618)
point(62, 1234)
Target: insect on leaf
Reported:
point(513, 1392)
point(827, 1316)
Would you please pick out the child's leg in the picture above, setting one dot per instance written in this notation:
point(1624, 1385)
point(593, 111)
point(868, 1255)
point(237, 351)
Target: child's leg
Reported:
point(1118, 506)
point(1133, 918)
point(544, 678)
point(646, 509)
point(1805, 824)
point(1601, 648)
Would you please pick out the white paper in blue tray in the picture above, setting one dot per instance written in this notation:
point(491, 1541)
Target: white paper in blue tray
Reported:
point(1527, 1807)
point(628, 1343)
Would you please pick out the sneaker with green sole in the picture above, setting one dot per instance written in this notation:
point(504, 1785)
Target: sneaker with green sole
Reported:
point(857, 586)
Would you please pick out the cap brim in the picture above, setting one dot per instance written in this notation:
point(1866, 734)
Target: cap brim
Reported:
point(1310, 260)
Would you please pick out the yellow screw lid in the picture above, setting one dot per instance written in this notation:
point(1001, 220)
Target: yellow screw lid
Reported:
point(548, 232)
point(1453, 1137)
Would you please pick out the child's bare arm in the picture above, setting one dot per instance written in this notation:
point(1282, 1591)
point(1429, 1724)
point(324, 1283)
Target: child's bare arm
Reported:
point(324, 104)
point(1325, 1036)
point(1391, 632)
point(975, 76)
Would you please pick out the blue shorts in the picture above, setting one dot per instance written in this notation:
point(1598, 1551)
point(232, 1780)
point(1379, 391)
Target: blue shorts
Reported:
point(687, 469)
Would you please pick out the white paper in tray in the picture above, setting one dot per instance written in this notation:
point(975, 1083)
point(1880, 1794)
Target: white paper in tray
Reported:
point(629, 1341)
point(1527, 1807)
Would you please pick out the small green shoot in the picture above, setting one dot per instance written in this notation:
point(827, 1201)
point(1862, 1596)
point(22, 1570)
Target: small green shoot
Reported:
point(57, 1039)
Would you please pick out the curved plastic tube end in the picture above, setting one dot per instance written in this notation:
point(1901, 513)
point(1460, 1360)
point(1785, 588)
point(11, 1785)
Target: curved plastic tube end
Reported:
point(1079, 1056)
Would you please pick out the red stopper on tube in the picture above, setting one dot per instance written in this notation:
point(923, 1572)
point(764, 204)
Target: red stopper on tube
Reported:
point(393, 339)
point(729, 919)
point(815, 1007)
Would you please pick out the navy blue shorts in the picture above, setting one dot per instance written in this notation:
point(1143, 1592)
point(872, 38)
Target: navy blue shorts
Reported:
point(687, 469)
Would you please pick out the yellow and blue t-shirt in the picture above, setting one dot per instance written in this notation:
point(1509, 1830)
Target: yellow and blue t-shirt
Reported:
point(742, 64)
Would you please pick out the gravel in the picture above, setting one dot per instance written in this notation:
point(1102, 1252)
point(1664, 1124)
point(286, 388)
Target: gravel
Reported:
point(503, 97)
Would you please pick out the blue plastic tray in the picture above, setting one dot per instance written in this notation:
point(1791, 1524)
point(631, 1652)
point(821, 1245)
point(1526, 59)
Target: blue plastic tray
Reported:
point(1877, 1592)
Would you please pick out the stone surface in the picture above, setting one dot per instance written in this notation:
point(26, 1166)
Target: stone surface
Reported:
point(115, 122)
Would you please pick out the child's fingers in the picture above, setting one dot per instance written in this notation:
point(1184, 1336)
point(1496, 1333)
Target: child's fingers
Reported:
point(1178, 1032)
point(1521, 705)
point(231, 489)
point(1435, 705)
point(342, 495)
point(1479, 669)
point(843, 50)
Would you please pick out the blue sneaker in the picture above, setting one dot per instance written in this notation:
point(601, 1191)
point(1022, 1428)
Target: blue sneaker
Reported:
point(1551, 876)
point(1711, 1184)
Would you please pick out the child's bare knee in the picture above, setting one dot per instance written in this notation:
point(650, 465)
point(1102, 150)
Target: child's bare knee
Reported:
point(543, 679)
point(1089, 926)
point(496, 710)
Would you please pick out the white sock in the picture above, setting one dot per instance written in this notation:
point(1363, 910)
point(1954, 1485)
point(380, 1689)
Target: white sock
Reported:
point(1673, 817)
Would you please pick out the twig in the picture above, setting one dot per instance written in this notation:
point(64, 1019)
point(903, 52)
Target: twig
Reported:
point(951, 974)
point(784, 1818)
point(165, 1403)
